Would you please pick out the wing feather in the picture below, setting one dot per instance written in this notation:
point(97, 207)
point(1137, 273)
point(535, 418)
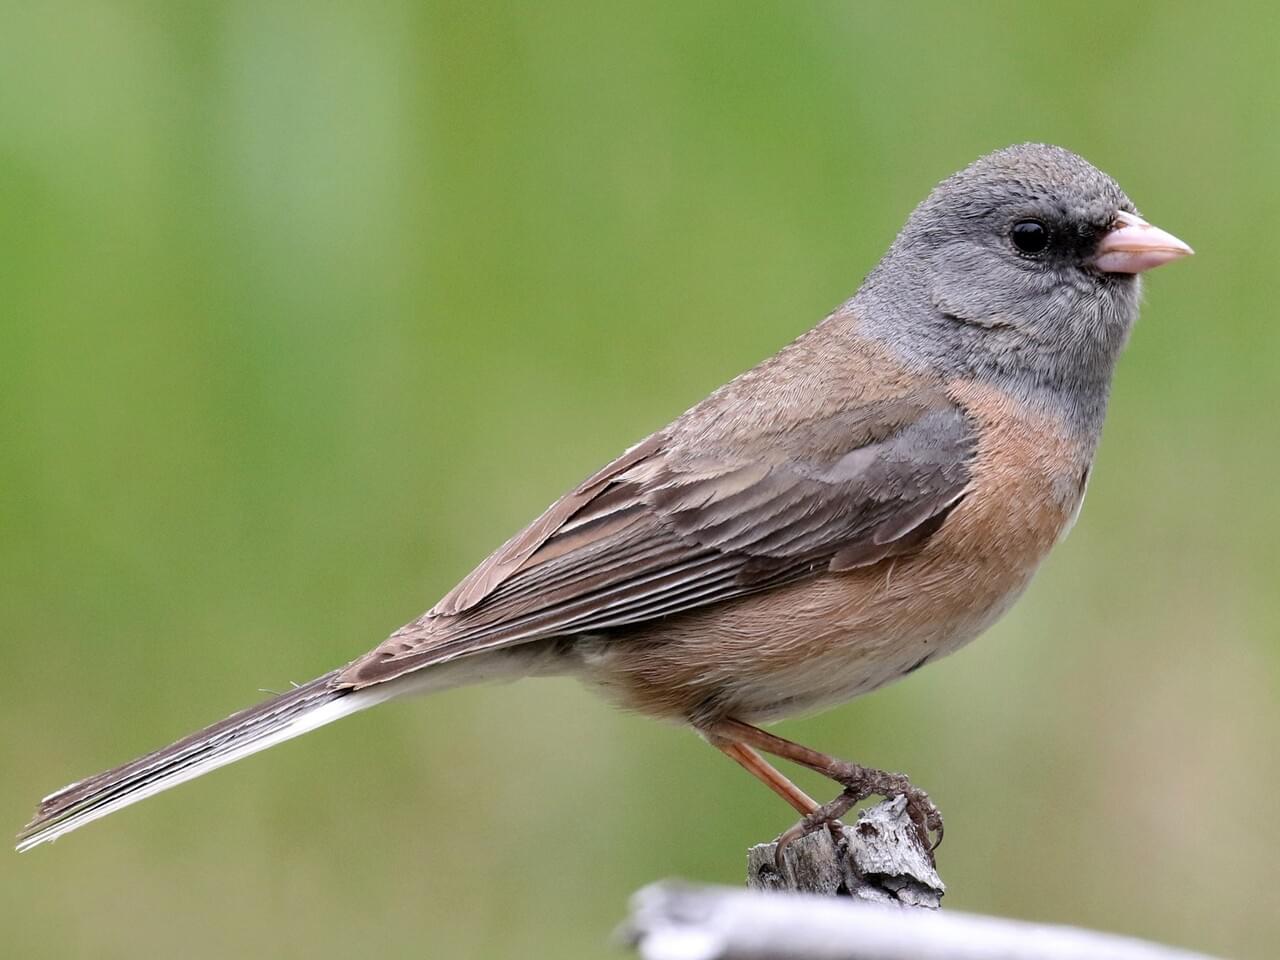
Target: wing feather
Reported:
point(660, 531)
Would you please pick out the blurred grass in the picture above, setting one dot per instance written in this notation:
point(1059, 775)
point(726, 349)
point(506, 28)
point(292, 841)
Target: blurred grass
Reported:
point(307, 307)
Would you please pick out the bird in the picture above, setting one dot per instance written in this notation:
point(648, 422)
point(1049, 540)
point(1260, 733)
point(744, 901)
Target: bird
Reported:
point(862, 503)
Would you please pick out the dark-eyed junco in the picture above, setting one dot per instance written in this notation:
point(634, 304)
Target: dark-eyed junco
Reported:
point(861, 503)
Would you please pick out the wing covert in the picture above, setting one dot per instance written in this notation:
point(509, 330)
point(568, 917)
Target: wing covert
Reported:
point(663, 530)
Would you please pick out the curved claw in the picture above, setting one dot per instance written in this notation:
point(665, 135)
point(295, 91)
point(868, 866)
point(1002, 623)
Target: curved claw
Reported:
point(785, 839)
point(926, 816)
point(827, 815)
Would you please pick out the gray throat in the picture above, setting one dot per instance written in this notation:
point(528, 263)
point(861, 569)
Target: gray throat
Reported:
point(1060, 357)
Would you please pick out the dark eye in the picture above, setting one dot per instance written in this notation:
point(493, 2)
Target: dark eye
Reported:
point(1030, 236)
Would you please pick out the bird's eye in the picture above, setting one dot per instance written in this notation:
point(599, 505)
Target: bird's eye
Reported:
point(1030, 236)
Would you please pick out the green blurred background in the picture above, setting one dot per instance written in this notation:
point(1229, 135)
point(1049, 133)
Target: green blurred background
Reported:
point(307, 307)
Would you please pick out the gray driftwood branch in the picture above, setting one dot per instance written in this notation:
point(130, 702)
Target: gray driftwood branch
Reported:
point(874, 896)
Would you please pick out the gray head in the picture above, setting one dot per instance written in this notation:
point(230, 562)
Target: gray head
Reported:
point(1021, 268)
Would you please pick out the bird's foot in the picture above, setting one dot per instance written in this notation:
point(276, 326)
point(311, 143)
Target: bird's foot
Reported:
point(860, 783)
point(828, 815)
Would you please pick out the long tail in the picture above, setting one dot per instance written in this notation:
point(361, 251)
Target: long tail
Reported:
point(273, 721)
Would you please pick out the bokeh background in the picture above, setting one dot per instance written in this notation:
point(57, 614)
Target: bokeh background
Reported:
point(306, 307)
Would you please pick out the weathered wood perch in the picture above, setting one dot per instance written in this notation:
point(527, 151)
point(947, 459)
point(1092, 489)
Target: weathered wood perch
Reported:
point(880, 860)
point(861, 900)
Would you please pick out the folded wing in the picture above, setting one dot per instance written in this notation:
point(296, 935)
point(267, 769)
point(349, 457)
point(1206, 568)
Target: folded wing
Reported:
point(666, 529)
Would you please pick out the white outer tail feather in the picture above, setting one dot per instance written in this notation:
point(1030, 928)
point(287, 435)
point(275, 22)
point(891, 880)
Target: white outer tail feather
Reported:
point(303, 723)
point(466, 670)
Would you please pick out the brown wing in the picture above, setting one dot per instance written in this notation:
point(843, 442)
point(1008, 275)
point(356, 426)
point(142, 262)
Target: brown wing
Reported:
point(663, 530)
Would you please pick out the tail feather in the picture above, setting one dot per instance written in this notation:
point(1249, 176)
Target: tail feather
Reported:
point(263, 725)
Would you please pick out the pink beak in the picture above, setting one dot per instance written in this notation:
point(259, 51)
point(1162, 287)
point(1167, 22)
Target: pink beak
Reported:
point(1133, 245)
